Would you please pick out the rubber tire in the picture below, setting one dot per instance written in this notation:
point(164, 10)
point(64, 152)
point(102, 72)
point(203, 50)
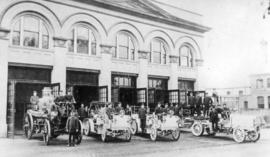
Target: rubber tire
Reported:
point(28, 130)
point(257, 137)
point(80, 134)
point(133, 127)
point(153, 134)
point(176, 132)
point(86, 128)
point(199, 131)
point(47, 132)
point(128, 135)
point(104, 136)
point(236, 136)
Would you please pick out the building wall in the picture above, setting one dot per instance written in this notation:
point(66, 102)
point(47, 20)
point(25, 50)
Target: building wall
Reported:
point(62, 16)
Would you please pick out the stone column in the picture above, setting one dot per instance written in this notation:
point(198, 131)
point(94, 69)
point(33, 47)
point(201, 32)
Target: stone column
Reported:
point(4, 42)
point(105, 74)
point(173, 82)
point(142, 81)
point(59, 68)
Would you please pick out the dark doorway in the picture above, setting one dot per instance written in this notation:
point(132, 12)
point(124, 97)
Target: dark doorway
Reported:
point(85, 94)
point(22, 100)
point(127, 96)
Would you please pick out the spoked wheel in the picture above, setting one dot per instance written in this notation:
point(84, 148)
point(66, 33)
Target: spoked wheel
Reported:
point(254, 136)
point(239, 135)
point(176, 134)
point(153, 134)
point(134, 127)
point(104, 136)
point(197, 129)
point(28, 126)
point(128, 135)
point(80, 133)
point(86, 128)
point(47, 132)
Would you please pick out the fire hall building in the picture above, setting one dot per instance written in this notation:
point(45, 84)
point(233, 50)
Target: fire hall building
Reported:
point(129, 51)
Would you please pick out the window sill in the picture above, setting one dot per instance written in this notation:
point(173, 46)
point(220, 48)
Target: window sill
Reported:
point(82, 55)
point(31, 48)
point(156, 64)
point(124, 60)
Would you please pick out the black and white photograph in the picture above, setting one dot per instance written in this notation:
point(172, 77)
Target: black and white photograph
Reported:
point(134, 78)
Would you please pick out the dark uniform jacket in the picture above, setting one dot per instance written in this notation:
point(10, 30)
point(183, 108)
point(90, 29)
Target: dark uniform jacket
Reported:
point(166, 110)
point(82, 113)
point(198, 101)
point(142, 113)
point(118, 109)
point(158, 110)
point(73, 124)
point(128, 111)
point(191, 100)
point(109, 112)
point(207, 102)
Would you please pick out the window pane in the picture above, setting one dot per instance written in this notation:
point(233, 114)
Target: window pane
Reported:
point(132, 57)
point(30, 39)
point(16, 38)
point(45, 41)
point(31, 24)
point(71, 41)
point(123, 52)
point(156, 45)
point(156, 57)
point(44, 29)
point(82, 40)
point(268, 83)
point(123, 40)
point(82, 33)
point(93, 49)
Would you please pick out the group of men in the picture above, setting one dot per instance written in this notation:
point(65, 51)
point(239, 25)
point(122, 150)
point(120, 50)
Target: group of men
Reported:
point(199, 105)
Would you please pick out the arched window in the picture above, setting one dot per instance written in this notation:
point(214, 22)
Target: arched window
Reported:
point(186, 57)
point(85, 40)
point(125, 47)
point(30, 31)
point(158, 51)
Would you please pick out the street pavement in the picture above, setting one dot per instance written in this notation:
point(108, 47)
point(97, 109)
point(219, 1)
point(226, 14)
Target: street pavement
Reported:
point(187, 146)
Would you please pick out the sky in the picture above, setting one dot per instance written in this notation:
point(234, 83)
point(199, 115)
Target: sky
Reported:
point(233, 48)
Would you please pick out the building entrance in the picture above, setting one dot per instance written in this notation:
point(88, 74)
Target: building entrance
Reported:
point(85, 95)
point(124, 89)
point(22, 81)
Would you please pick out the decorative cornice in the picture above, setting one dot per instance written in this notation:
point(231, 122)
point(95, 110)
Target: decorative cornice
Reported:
point(4, 33)
point(143, 54)
point(107, 49)
point(174, 59)
point(199, 62)
point(60, 42)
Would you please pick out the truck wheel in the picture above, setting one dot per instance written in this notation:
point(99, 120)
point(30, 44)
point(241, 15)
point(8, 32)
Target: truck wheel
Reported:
point(176, 134)
point(197, 129)
point(239, 135)
point(153, 134)
point(47, 132)
point(28, 126)
point(134, 127)
point(128, 135)
point(104, 136)
point(86, 127)
point(254, 136)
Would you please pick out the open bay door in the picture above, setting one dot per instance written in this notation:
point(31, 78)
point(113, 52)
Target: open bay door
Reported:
point(115, 94)
point(141, 97)
point(103, 93)
point(55, 89)
point(174, 96)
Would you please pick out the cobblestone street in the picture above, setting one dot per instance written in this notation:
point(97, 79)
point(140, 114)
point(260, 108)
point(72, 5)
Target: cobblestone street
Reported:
point(188, 145)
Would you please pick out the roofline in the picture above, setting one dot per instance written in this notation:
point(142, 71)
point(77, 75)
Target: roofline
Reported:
point(162, 3)
point(181, 24)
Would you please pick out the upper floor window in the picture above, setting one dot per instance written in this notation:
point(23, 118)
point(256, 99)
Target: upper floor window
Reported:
point(158, 51)
point(268, 82)
point(30, 31)
point(260, 101)
point(82, 40)
point(186, 58)
point(125, 47)
point(259, 83)
point(241, 92)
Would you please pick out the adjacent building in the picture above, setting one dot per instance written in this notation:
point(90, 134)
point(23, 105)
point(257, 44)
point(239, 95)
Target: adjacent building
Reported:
point(133, 51)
